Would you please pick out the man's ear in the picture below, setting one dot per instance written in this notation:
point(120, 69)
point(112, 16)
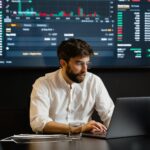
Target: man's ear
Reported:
point(62, 62)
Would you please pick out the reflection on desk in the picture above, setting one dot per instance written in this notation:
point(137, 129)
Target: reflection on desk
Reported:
point(131, 143)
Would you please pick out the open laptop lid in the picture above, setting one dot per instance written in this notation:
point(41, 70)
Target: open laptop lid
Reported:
point(129, 117)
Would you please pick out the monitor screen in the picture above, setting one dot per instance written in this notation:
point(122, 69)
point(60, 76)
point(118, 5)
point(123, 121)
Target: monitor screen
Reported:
point(117, 30)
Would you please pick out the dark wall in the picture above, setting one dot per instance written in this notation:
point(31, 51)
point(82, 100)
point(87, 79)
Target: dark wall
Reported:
point(16, 86)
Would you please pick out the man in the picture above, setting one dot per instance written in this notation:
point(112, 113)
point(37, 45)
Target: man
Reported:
point(70, 94)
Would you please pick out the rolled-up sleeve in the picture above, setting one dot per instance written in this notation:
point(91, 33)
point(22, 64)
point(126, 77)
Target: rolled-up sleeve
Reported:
point(39, 105)
point(104, 103)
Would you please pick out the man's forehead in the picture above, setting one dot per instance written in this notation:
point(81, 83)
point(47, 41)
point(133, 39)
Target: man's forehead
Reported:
point(79, 58)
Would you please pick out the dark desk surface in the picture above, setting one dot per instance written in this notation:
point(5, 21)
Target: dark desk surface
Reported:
point(132, 143)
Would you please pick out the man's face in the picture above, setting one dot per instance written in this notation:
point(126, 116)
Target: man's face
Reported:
point(76, 68)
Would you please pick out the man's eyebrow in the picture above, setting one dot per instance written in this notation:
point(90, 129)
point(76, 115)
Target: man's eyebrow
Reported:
point(79, 61)
point(82, 61)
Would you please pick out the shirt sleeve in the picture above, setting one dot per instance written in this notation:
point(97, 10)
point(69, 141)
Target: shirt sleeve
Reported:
point(39, 105)
point(104, 104)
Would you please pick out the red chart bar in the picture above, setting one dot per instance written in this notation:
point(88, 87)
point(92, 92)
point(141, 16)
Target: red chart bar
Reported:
point(43, 14)
point(136, 0)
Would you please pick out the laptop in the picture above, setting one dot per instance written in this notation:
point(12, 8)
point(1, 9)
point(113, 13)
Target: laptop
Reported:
point(130, 118)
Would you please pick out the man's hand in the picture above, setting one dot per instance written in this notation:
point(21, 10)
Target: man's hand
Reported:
point(93, 126)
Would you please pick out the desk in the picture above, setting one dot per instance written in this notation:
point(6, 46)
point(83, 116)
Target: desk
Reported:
point(132, 143)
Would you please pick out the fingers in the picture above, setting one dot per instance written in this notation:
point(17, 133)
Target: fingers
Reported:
point(100, 127)
point(96, 127)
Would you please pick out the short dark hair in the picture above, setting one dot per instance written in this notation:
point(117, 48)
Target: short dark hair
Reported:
point(72, 48)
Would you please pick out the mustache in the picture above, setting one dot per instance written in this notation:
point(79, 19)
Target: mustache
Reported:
point(81, 74)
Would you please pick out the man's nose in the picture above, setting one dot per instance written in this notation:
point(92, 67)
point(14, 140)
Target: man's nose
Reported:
point(84, 67)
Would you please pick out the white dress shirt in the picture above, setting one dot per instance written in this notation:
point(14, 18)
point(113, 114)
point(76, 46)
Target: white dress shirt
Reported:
point(52, 99)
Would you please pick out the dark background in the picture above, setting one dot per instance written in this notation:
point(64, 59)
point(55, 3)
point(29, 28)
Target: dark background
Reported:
point(16, 86)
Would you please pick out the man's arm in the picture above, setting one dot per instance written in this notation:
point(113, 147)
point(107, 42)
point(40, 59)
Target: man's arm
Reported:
point(55, 127)
point(91, 126)
point(104, 104)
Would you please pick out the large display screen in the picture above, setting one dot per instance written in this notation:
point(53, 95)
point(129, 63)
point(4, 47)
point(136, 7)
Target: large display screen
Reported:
point(117, 30)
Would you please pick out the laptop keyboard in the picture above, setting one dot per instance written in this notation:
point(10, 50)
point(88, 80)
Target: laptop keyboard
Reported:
point(99, 133)
point(96, 134)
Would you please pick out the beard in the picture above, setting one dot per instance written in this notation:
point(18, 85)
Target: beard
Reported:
point(75, 77)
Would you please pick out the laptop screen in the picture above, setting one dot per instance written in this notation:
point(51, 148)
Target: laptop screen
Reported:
point(130, 118)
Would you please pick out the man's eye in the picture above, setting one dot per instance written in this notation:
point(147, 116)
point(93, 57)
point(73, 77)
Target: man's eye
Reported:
point(82, 63)
point(79, 63)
